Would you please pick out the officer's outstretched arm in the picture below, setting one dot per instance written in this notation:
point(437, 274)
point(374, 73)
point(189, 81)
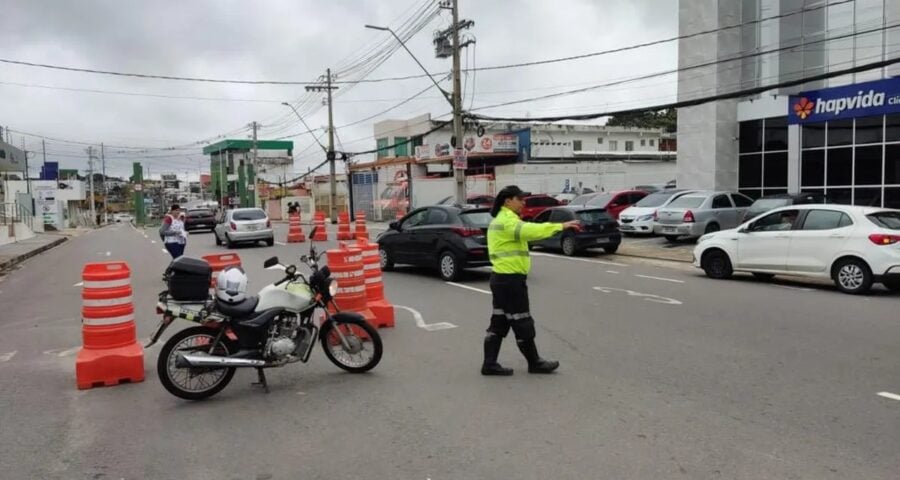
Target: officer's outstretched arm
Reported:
point(532, 232)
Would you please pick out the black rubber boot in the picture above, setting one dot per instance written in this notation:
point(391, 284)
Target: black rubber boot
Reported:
point(536, 364)
point(491, 352)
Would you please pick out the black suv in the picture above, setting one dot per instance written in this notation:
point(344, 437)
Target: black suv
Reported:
point(764, 204)
point(598, 229)
point(199, 219)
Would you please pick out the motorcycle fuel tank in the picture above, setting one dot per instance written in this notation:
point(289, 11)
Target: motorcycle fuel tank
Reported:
point(295, 296)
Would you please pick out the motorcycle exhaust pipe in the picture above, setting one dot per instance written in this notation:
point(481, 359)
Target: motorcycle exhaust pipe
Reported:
point(188, 361)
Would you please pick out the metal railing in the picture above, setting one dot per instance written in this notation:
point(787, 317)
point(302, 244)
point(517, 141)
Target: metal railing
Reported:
point(11, 213)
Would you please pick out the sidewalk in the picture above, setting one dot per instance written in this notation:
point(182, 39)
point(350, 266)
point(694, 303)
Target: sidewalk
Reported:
point(14, 253)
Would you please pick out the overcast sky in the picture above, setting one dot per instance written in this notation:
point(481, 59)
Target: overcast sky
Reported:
point(297, 40)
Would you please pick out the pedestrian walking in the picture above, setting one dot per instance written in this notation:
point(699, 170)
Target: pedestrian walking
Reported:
point(508, 238)
point(173, 234)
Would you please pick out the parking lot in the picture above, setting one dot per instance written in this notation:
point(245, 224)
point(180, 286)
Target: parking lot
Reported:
point(665, 373)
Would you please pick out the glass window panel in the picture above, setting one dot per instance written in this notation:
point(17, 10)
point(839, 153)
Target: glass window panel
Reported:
point(813, 135)
point(892, 164)
point(892, 133)
point(869, 129)
point(753, 193)
point(775, 169)
point(750, 171)
point(774, 191)
point(842, 196)
point(840, 132)
point(812, 168)
point(823, 220)
point(750, 136)
point(868, 165)
point(892, 197)
point(776, 133)
point(867, 197)
point(840, 166)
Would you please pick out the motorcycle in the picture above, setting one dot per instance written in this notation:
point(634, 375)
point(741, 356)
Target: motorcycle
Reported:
point(271, 330)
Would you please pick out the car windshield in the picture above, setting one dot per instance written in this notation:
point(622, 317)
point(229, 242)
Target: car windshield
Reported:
point(591, 217)
point(654, 199)
point(582, 199)
point(601, 199)
point(476, 219)
point(199, 213)
point(248, 215)
point(889, 220)
point(687, 202)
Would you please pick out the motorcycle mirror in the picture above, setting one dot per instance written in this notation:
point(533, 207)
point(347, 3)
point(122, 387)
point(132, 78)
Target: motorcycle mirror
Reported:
point(271, 262)
point(291, 270)
point(304, 259)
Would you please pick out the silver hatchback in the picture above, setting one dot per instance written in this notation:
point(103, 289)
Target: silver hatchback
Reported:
point(244, 225)
point(698, 213)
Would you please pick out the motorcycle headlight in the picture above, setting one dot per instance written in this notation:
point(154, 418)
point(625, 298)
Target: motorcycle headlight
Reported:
point(333, 287)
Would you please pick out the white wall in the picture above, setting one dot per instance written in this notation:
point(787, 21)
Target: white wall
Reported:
point(75, 192)
point(558, 143)
point(551, 178)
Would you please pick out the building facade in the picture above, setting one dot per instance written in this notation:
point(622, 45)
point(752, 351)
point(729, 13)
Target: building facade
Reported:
point(839, 136)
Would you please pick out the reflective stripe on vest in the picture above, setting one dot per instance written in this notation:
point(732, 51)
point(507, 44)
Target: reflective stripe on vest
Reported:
point(514, 253)
point(518, 234)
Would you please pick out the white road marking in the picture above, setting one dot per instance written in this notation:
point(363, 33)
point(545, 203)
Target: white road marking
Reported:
point(892, 396)
point(108, 254)
point(469, 288)
point(79, 284)
point(646, 296)
point(660, 278)
point(279, 243)
point(611, 271)
point(420, 322)
point(8, 356)
point(63, 352)
point(587, 260)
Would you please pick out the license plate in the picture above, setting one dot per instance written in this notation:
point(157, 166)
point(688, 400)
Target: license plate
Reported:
point(602, 240)
point(669, 229)
point(252, 227)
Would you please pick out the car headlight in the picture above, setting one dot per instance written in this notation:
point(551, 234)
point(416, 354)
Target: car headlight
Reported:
point(333, 287)
point(645, 218)
point(704, 238)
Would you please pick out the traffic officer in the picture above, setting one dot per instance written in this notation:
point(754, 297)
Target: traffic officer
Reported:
point(508, 238)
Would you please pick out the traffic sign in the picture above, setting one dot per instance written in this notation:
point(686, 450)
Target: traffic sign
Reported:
point(138, 187)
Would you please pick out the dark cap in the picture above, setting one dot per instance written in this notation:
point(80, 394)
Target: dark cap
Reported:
point(508, 192)
point(174, 207)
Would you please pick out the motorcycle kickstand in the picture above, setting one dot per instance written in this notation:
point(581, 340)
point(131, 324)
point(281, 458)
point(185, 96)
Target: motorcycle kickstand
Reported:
point(261, 375)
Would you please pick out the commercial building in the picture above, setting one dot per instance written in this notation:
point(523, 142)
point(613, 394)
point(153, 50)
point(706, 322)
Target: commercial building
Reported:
point(840, 135)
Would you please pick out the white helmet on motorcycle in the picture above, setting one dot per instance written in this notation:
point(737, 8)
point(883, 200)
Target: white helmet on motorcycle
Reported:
point(231, 285)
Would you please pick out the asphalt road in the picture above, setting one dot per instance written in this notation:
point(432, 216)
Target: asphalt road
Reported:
point(665, 374)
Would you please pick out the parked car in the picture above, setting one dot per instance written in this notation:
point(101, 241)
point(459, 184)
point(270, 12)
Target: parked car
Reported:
point(123, 217)
point(699, 213)
point(638, 218)
point(564, 198)
point(477, 200)
point(447, 238)
point(199, 219)
point(613, 202)
point(244, 225)
point(598, 230)
point(764, 204)
point(853, 246)
point(535, 204)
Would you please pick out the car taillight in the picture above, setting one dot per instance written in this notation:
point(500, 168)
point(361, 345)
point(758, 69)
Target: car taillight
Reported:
point(467, 232)
point(884, 239)
point(233, 227)
point(688, 217)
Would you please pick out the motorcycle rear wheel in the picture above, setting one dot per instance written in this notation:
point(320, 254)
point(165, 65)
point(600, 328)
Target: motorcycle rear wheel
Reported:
point(194, 383)
point(365, 346)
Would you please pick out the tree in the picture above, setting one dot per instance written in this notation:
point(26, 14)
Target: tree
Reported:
point(666, 119)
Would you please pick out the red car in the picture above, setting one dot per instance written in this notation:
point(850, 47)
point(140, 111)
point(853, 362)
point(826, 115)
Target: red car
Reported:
point(535, 204)
point(613, 202)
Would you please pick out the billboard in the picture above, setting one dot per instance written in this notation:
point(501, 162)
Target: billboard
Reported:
point(860, 100)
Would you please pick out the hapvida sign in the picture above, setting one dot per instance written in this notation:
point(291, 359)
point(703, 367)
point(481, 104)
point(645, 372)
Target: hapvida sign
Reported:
point(861, 100)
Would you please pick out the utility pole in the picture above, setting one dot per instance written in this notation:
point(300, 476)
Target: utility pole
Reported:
point(458, 173)
point(90, 152)
point(251, 183)
point(330, 155)
point(105, 185)
point(27, 176)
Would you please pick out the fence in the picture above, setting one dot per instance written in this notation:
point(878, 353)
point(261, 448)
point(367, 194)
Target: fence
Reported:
point(11, 213)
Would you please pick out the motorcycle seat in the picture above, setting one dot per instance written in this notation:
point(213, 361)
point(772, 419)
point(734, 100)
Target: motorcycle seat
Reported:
point(240, 310)
point(262, 319)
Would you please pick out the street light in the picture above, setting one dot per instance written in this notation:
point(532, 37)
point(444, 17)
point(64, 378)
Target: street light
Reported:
point(403, 44)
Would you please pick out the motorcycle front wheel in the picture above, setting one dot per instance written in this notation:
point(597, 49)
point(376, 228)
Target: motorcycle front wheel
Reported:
point(194, 383)
point(362, 352)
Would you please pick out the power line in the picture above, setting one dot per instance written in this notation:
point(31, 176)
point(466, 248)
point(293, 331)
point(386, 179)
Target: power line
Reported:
point(682, 69)
point(137, 94)
point(700, 101)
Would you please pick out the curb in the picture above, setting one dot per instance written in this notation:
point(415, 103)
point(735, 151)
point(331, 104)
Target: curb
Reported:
point(25, 256)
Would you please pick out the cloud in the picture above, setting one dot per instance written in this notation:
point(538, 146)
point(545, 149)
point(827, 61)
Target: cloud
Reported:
point(298, 40)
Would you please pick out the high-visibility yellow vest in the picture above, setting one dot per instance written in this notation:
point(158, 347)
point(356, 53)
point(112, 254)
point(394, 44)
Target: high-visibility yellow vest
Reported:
point(508, 238)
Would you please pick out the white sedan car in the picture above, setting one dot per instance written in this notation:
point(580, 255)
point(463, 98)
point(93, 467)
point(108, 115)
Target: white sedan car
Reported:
point(853, 246)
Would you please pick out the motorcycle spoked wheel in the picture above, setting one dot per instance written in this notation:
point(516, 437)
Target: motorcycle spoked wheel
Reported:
point(194, 383)
point(365, 348)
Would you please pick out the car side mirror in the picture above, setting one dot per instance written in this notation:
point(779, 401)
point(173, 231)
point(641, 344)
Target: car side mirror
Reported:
point(271, 262)
point(747, 229)
point(394, 226)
